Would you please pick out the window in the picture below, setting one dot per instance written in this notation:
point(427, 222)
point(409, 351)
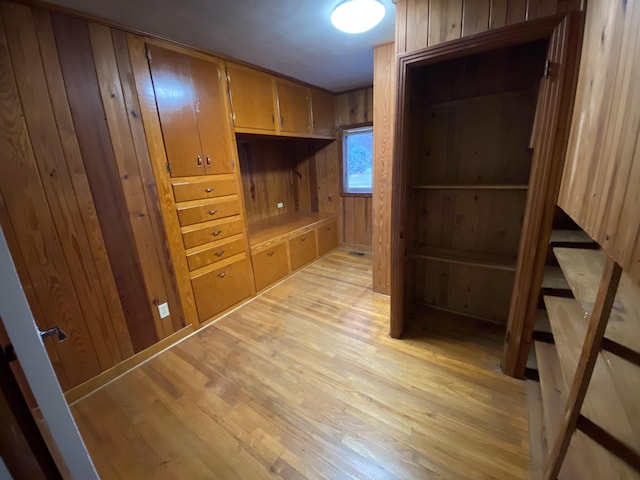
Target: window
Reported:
point(357, 160)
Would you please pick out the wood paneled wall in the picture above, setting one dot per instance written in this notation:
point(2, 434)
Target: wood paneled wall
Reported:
point(384, 120)
point(601, 183)
point(422, 23)
point(300, 173)
point(78, 200)
point(356, 218)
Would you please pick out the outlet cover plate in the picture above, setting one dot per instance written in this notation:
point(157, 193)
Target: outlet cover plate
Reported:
point(280, 205)
point(163, 309)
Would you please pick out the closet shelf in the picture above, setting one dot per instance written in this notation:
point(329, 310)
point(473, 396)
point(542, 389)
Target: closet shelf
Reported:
point(583, 269)
point(553, 279)
point(470, 186)
point(611, 400)
point(570, 236)
point(466, 257)
point(482, 98)
point(554, 398)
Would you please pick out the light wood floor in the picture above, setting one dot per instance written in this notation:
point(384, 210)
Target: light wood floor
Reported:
point(304, 382)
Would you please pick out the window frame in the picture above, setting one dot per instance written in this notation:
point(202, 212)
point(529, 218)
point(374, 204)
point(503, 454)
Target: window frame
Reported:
point(342, 131)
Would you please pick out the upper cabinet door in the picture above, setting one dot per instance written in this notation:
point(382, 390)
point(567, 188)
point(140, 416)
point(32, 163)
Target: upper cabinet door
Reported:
point(171, 74)
point(323, 108)
point(294, 105)
point(252, 98)
point(212, 116)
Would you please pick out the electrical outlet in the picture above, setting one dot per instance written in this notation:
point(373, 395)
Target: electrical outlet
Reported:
point(163, 310)
point(280, 205)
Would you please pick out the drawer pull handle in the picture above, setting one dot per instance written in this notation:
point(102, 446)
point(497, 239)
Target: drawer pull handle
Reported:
point(212, 212)
point(222, 275)
point(215, 234)
point(208, 190)
point(217, 254)
point(208, 161)
point(199, 160)
point(303, 239)
point(270, 254)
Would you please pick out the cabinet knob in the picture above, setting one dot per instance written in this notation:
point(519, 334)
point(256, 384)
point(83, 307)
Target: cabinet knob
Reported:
point(208, 160)
point(303, 239)
point(222, 275)
point(270, 254)
point(208, 190)
point(215, 234)
point(220, 253)
point(199, 160)
point(212, 212)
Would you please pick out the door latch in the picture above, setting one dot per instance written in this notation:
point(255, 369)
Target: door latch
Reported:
point(53, 331)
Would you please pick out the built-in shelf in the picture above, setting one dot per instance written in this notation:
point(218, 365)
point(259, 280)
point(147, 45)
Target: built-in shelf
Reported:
point(465, 257)
point(281, 227)
point(482, 98)
point(611, 405)
point(553, 279)
point(583, 270)
point(554, 394)
point(470, 186)
point(570, 236)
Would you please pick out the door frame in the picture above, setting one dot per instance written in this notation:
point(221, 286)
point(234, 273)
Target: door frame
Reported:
point(555, 103)
point(25, 338)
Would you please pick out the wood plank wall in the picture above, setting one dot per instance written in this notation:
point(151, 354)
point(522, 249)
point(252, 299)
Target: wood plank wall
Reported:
point(356, 218)
point(419, 24)
point(77, 197)
point(601, 183)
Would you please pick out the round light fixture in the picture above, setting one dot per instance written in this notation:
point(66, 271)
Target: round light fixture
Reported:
point(357, 16)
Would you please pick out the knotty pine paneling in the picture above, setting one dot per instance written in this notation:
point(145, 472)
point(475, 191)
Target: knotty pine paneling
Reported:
point(354, 108)
point(79, 206)
point(422, 23)
point(601, 181)
point(384, 95)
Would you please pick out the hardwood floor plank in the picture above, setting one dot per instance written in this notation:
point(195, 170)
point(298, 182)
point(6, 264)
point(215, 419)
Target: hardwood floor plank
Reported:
point(304, 382)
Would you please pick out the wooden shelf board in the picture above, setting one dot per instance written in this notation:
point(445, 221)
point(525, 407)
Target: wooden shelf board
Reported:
point(538, 449)
point(475, 186)
point(465, 257)
point(282, 226)
point(554, 393)
point(542, 322)
point(610, 404)
point(553, 279)
point(481, 98)
point(583, 269)
point(570, 236)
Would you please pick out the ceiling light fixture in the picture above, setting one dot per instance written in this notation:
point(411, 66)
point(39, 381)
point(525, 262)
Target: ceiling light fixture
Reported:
point(357, 16)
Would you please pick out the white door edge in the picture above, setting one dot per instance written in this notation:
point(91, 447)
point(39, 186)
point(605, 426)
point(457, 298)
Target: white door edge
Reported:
point(23, 333)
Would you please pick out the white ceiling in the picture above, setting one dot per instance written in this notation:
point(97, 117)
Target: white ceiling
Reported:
point(292, 37)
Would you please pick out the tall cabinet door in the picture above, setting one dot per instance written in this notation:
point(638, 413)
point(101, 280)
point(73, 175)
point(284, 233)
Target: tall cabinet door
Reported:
point(171, 74)
point(212, 116)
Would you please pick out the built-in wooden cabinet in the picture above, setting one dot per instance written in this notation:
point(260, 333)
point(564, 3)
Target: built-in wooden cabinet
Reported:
point(270, 265)
point(327, 237)
point(252, 99)
point(294, 107)
point(221, 286)
point(265, 104)
point(302, 248)
point(323, 112)
point(190, 95)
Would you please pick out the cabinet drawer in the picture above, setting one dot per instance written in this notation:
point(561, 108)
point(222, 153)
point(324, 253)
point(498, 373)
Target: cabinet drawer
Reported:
point(206, 188)
point(219, 289)
point(211, 231)
point(270, 265)
point(208, 211)
point(303, 249)
point(327, 237)
point(214, 253)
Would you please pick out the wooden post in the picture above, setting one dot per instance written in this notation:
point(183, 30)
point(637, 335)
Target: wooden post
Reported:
point(590, 350)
